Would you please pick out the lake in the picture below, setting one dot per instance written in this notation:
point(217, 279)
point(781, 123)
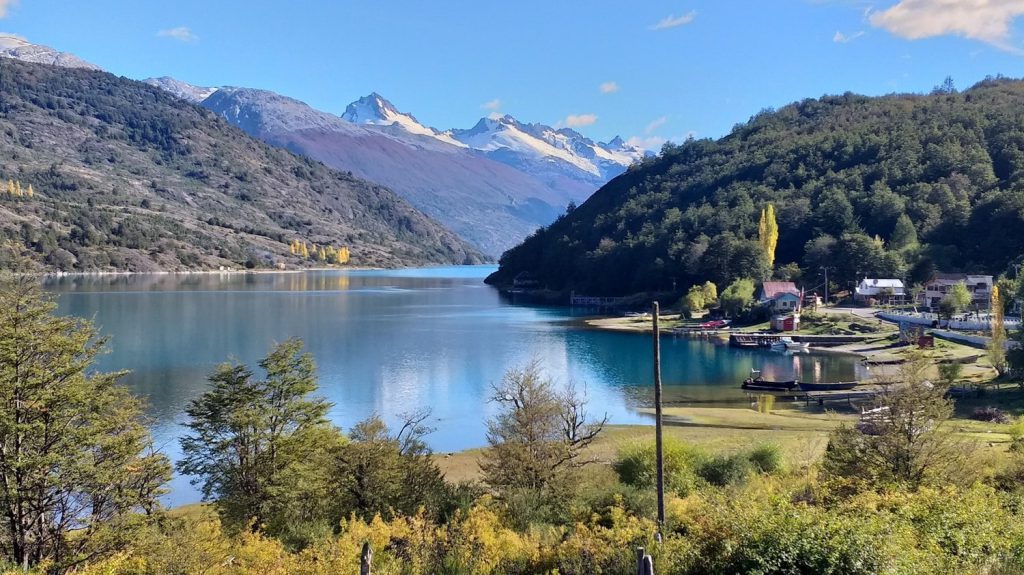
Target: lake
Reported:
point(389, 342)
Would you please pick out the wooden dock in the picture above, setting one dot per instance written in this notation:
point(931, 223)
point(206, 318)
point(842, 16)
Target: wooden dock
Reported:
point(762, 339)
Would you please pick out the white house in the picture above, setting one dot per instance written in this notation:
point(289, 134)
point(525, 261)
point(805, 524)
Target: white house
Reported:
point(881, 290)
point(979, 286)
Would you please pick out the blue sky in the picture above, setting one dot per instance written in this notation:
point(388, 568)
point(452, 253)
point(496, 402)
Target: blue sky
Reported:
point(649, 70)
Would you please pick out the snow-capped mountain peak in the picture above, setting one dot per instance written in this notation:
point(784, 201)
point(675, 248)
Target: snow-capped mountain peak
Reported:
point(376, 110)
point(548, 149)
point(17, 47)
point(183, 90)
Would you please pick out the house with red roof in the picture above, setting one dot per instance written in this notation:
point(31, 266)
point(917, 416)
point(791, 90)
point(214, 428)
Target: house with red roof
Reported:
point(780, 296)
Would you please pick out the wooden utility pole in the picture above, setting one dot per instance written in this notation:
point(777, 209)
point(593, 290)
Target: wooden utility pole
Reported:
point(659, 458)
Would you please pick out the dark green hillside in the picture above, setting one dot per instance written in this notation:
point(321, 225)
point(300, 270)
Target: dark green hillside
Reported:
point(128, 177)
point(840, 171)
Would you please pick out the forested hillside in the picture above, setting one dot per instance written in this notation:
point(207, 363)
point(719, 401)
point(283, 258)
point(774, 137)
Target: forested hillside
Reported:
point(894, 186)
point(127, 177)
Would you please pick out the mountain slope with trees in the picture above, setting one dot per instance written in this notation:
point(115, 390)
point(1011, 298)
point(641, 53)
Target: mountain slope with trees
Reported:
point(893, 186)
point(127, 177)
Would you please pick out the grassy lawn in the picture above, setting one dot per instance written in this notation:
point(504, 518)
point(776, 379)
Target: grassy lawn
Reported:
point(802, 434)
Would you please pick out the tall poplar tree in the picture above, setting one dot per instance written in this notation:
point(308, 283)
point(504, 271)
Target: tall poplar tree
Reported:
point(78, 475)
point(768, 233)
point(997, 344)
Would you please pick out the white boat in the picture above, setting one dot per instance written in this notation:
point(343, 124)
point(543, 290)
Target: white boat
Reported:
point(787, 344)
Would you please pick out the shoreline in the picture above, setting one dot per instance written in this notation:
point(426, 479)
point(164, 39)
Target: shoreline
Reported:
point(883, 362)
point(54, 275)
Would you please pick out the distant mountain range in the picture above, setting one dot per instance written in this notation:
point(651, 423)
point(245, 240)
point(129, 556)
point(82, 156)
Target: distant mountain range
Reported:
point(493, 184)
point(112, 174)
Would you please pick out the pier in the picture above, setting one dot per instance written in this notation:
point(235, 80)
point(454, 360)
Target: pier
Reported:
point(767, 339)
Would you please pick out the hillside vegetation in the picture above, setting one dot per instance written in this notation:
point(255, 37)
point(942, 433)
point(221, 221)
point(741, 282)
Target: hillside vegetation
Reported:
point(894, 186)
point(127, 177)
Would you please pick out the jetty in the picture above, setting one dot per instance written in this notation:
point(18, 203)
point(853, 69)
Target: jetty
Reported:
point(763, 339)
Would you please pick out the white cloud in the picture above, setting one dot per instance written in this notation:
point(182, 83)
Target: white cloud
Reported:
point(181, 34)
point(671, 21)
point(578, 120)
point(841, 38)
point(985, 20)
point(6, 5)
point(609, 87)
point(647, 142)
point(494, 105)
point(655, 124)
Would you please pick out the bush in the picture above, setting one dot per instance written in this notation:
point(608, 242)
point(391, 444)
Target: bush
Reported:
point(766, 459)
point(992, 414)
point(723, 470)
point(600, 506)
point(636, 466)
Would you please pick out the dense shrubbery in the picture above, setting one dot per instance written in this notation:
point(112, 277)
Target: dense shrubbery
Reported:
point(896, 186)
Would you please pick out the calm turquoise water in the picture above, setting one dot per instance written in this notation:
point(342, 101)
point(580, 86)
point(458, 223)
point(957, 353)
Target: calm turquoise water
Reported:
point(389, 342)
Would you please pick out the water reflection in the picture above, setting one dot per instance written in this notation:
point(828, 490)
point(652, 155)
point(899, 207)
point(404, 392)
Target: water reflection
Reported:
point(390, 342)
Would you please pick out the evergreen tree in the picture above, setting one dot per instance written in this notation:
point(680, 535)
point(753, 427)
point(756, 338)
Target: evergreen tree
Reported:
point(78, 473)
point(904, 235)
point(258, 447)
point(380, 473)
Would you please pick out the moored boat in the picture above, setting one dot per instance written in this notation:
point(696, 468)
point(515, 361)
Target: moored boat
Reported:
point(838, 386)
point(768, 385)
point(787, 344)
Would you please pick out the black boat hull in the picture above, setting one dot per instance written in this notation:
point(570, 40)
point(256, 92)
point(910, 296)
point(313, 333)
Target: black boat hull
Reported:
point(843, 386)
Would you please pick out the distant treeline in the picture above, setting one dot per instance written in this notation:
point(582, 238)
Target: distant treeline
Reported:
point(895, 186)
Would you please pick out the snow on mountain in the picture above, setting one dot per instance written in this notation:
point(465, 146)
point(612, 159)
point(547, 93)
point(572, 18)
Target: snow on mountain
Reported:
point(535, 148)
point(183, 90)
point(487, 202)
point(493, 184)
point(14, 46)
point(260, 112)
point(377, 111)
point(545, 148)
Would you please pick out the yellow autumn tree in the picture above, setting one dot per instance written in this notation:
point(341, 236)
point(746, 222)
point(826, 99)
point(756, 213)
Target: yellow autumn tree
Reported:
point(997, 344)
point(768, 233)
point(17, 188)
point(343, 255)
point(10, 187)
point(31, 192)
point(305, 250)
